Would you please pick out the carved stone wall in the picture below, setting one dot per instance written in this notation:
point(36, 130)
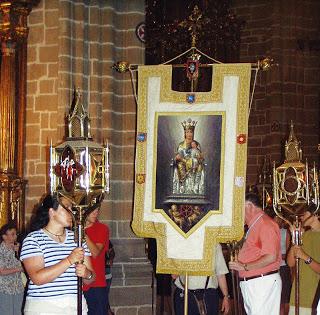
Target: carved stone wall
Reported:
point(289, 33)
point(75, 43)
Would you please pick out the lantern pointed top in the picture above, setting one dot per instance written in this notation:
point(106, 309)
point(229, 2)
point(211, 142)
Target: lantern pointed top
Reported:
point(78, 118)
point(293, 152)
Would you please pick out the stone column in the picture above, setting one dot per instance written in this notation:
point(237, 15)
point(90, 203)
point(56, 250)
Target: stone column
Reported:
point(13, 39)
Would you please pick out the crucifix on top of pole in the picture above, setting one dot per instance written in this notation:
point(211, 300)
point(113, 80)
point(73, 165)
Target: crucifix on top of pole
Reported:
point(295, 187)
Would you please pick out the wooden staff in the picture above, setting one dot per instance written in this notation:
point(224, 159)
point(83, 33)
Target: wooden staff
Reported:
point(297, 288)
point(233, 278)
point(186, 295)
point(296, 240)
point(79, 244)
point(237, 306)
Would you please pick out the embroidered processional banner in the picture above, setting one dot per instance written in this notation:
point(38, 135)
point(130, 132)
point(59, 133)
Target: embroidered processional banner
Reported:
point(191, 156)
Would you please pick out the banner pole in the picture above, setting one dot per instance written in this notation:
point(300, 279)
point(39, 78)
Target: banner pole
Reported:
point(186, 295)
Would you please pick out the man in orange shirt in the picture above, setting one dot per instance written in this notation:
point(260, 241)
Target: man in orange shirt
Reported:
point(259, 261)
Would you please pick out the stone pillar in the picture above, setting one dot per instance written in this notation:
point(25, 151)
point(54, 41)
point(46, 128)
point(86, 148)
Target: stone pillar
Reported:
point(13, 37)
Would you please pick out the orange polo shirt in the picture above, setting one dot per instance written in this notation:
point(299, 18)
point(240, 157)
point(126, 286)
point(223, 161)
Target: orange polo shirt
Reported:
point(263, 238)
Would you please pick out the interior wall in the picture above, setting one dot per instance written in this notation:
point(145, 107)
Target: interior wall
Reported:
point(73, 44)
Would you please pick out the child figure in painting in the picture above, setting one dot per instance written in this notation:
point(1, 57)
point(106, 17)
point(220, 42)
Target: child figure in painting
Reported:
point(195, 155)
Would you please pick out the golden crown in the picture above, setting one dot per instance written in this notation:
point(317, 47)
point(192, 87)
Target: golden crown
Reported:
point(189, 124)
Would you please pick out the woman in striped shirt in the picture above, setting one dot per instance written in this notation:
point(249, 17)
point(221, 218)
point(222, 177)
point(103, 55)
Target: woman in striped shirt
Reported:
point(53, 261)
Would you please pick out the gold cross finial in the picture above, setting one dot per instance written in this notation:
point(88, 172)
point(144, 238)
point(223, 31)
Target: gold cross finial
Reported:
point(194, 24)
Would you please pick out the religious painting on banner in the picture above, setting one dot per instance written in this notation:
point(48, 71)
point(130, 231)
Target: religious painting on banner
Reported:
point(190, 165)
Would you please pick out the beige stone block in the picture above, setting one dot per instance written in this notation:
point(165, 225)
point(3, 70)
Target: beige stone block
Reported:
point(120, 210)
point(51, 36)
point(42, 168)
point(45, 138)
point(33, 134)
point(30, 167)
point(35, 17)
point(32, 54)
point(94, 50)
point(31, 117)
point(125, 230)
point(123, 171)
point(124, 154)
point(36, 180)
point(32, 88)
point(124, 104)
point(48, 53)
point(52, 4)
point(79, 11)
point(129, 249)
point(53, 70)
point(65, 9)
point(138, 274)
point(94, 14)
point(47, 86)
point(35, 191)
point(130, 296)
point(107, 48)
point(123, 189)
point(65, 29)
point(126, 310)
point(36, 34)
point(126, 121)
point(107, 16)
point(135, 55)
point(79, 32)
point(30, 102)
point(51, 18)
point(145, 310)
point(32, 149)
point(44, 120)
point(94, 33)
point(36, 71)
point(130, 20)
point(46, 102)
point(108, 83)
point(29, 206)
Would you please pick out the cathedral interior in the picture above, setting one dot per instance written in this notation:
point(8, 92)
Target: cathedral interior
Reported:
point(50, 48)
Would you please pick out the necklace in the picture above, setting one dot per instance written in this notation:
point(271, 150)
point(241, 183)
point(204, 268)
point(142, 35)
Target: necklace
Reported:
point(56, 235)
point(251, 226)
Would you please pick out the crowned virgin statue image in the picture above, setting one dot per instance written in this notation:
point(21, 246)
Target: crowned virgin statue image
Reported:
point(188, 164)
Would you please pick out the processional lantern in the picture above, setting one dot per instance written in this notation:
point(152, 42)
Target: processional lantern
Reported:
point(295, 187)
point(79, 171)
point(295, 184)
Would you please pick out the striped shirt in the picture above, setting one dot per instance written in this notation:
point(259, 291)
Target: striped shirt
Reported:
point(38, 243)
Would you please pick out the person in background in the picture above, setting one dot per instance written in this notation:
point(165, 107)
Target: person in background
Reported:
point(309, 253)
point(314, 265)
point(110, 254)
point(203, 294)
point(11, 285)
point(53, 261)
point(285, 270)
point(259, 261)
point(97, 239)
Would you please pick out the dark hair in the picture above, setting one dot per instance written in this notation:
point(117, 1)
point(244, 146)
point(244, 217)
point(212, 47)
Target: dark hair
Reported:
point(254, 198)
point(312, 208)
point(5, 228)
point(41, 217)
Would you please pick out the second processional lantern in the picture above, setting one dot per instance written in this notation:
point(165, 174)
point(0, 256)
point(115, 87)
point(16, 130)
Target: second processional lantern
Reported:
point(295, 184)
point(295, 188)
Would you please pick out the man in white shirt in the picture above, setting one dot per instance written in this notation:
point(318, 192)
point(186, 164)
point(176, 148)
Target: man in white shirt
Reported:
point(203, 295)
